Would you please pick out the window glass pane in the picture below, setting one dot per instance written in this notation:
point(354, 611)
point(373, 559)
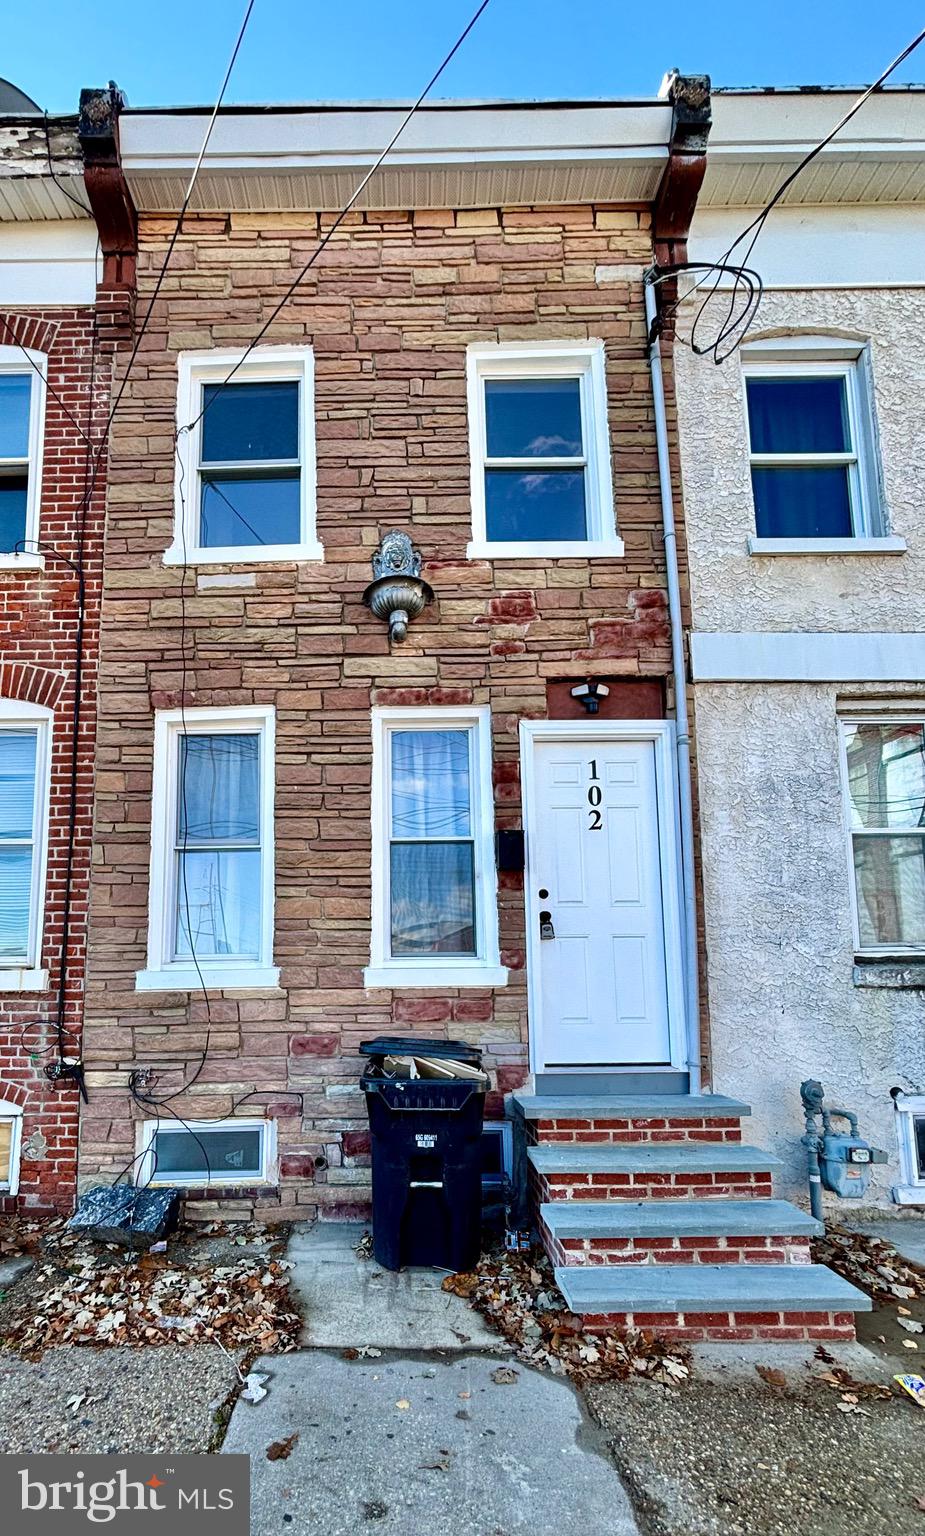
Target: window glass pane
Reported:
point(218, 788)
point(250, 421)
point(17, 783)
point(430, 784)
point(890, 876)
point(230, 1153)
point(789, 415)
point(6, 1149)
point(433, 899)
point(536, 507)
point(15, 902)
point(802, 503)
point(235, 512)
point(15, 395)
point(527, 418)
point(886, 775)
point(13, 490)
point(920, 1145)
point(219, 902)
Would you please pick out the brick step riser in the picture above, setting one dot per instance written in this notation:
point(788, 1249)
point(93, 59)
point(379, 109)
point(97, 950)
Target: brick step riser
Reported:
point(649, 1186)
point(679, 1250)
point(729, 1327)
point(620, 1132)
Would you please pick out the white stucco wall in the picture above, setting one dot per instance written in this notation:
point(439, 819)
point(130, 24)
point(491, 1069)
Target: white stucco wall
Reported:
point(780, 951)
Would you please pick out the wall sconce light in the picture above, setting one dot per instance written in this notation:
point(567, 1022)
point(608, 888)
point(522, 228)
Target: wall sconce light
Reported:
point(397, 593)
point(590, 694)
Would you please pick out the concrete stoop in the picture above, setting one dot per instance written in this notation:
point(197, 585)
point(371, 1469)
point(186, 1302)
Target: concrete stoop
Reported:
point(655, 1214)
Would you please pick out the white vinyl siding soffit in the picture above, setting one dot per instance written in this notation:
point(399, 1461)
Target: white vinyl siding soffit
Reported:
point(883, 763)
point(245, 487)
point(22, 431)
point(25, 753)
point(212, 879)
point(539, 449)
point(434, 887)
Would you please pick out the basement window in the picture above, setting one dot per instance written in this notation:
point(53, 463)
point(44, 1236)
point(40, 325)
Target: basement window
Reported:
point(884, 767)
point(539, 448)
point(222, 1152)
point(910, 1124)
point(25, 731)
point(245, 483)
point(22, 410)
point(10, 1138)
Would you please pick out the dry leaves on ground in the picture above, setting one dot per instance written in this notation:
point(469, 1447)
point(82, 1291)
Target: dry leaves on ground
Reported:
point(870, 1262)
point(517, 1294)
point(281, 1450)
point(840, 1379)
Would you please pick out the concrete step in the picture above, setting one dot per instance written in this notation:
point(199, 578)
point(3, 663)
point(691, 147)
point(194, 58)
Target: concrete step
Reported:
point(687, 1157)
point(663, 1106)
point(689, 1289)
point(677, 1218)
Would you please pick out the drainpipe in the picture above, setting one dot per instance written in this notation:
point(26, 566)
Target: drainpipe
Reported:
point(679, 674)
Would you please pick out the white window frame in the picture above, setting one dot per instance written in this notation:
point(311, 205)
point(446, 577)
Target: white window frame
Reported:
point(911, 1188)
point(164, 973)
point(820, 357)
point(585, 361)
point(148, 1129)
point(25, 973)
point(12, 360)
point(484, 968)
point(269, 364)
point(13, 1113)
point(845, 721)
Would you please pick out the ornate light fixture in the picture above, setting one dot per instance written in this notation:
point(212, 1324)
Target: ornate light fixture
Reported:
point(590, 695)
point(397, 593)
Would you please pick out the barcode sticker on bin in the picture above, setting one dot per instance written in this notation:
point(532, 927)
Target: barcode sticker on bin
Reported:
point(423, 1139)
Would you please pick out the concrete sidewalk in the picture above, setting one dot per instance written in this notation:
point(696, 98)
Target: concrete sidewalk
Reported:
point(446, 1433)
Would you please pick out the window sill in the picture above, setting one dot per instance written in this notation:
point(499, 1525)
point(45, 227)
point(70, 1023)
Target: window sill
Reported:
point(908, 1194)
point(554, 549)
point(249, 554)
point(452, 975)
point(220, 978)
point(12, 560)
point(896, 975)
point(22, 980)
point(893, 545)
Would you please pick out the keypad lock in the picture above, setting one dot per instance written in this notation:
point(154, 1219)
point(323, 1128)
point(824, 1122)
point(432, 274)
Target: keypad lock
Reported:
point(547, 931)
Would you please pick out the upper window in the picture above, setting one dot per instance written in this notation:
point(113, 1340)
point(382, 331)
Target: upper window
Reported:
point(540, 451)
point(22, 398)
point(811, 450)
point(885, 775)
point(24, 732)
point(434, 897)
point(246, 463)
point(212, 850)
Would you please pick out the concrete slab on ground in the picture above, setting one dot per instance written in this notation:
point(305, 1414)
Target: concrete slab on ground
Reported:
point(409, 1445)
point(12, 1269)
point(348, 1301)
point(906, 1233)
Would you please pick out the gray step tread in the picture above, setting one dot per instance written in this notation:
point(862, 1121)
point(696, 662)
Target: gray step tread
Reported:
point(650, 1157)
point(708, 1288)
point(678, 1218)
point(662, 1106)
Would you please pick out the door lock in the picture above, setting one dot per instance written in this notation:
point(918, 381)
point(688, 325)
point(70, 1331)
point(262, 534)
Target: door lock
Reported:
point(547, 931)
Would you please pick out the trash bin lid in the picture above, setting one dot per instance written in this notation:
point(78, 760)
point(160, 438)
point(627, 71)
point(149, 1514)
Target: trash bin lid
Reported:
point(413, 1045)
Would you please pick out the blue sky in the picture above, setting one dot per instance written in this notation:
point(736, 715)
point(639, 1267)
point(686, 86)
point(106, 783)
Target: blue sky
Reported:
point(165, 52)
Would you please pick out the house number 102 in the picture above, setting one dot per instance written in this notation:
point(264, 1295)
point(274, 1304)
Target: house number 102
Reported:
point(595, 796)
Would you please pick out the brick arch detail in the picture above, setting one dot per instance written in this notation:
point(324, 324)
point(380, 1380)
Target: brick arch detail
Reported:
point(27, 331)
point(33, 685)
point(12, 1093)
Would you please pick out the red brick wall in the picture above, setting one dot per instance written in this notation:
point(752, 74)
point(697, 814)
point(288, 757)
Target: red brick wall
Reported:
point(38, 618)
point(389, 308)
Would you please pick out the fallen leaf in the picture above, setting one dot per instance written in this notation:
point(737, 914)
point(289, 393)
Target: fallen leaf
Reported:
point(504, 1376)
point(911, 1325)
point(254, 1388)
point(403, 1403)
point(771, 1375)
point(909, 1344)
point(441, 1464)
point(281, 1450)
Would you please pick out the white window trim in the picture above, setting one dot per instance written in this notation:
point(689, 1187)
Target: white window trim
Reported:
point(551, 359)
point(13, 361)
point(25, 973)
point(484, 969)
point(809, 357)
point(845, 721)
point(911, 1188)
point(163, 974)
point(199, 368)
point(13, 1113)
point(269, 1170)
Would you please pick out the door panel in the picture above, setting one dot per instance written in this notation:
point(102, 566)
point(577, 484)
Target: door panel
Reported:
point(601, 983)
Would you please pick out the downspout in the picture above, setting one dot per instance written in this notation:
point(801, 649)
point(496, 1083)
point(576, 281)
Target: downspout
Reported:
point(679, 676)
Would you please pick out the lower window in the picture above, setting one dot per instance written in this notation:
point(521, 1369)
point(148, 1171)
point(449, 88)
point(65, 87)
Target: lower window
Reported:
point(220, 1152)
point(10, 1127)
point(885, 780)
point(910, 1124)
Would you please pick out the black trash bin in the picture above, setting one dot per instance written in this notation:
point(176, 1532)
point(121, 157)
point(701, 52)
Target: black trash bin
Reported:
point(426, 1127)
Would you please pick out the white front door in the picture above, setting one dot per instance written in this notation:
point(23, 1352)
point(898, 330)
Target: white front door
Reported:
point(603, 961)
